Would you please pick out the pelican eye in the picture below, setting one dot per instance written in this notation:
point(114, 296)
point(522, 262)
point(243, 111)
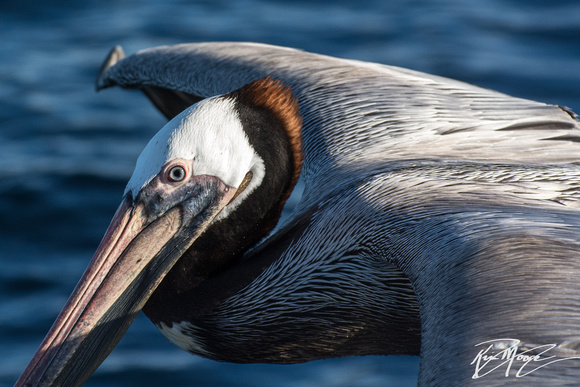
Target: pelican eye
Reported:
point(176, 174)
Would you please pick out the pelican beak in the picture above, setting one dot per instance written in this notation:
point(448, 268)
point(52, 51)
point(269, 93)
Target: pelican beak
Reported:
point(137, 251)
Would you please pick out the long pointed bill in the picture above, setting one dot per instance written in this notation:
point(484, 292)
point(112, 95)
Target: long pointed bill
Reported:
point(132, 259)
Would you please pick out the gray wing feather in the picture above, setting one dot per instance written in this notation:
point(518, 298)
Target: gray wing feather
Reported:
point(475, 192)
point(358, 114)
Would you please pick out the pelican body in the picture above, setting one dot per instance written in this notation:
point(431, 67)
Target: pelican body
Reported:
point(437, 218)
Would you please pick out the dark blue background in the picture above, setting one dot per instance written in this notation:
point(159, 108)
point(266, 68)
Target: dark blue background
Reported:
point(66, 152)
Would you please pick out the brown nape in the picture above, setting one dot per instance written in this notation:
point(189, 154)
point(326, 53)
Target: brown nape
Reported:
point(278, 98)
point(169, 102)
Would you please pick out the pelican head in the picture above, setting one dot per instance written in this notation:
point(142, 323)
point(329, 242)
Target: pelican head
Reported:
point(194, 173)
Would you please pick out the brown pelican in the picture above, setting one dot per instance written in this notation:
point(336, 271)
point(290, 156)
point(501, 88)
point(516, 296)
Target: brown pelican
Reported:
point(437, 218)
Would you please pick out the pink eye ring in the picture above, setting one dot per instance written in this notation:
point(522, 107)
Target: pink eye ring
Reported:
point(176, 174)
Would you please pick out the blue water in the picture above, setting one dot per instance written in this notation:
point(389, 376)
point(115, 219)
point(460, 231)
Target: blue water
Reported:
point(66, 152)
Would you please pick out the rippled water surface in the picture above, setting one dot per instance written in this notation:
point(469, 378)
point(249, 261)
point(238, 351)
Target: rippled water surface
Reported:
point(67, 152)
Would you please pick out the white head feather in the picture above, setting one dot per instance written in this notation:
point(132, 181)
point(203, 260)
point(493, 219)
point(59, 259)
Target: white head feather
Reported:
point(211, 134)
